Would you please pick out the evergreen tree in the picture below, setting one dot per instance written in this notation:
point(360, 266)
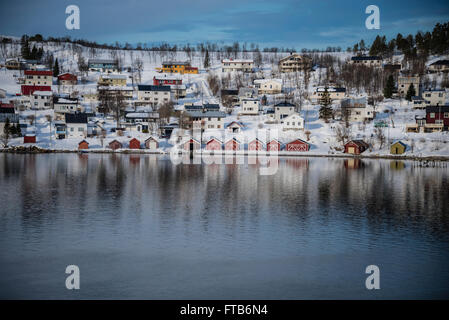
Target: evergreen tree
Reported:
point(325, 109)
point(389, 87)
point(18, 130)
point(411, 92)
point(206, 60)
point(56, 68)
point(25, 48)
point(7, 128)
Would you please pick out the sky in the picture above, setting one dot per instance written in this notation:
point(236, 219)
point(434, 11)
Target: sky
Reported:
point(281, 23)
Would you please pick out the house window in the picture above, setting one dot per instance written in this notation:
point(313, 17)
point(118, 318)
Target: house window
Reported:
point(432, 115)
point(80, 129)
point(446, 114)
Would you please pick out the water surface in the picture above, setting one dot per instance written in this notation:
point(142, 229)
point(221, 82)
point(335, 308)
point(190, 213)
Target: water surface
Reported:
point(139, 226)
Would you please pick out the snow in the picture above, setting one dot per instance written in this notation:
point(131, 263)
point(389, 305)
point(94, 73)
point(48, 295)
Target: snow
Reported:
point(322, 135)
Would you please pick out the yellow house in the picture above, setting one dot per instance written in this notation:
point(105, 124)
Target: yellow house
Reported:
point(177, 67)
point(112, 80)
point(398, 148)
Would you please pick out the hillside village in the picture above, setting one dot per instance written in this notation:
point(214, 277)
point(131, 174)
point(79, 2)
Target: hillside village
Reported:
point(387, 99)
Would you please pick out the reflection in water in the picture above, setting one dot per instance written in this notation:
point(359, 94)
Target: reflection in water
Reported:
point(207, 231)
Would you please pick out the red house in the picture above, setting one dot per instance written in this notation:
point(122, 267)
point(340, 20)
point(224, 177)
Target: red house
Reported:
point(232, 145)
point(114, 145)
point(438, 115)
point(83, 145)
point(213, 144)
point(166, 81)
point(29, 89)
point(134, 144)
point(356, 146)
point(67, 78)
point(274, 145)
point(191, 144)
point(255, 145)
point(29, 139)
point(297, 145)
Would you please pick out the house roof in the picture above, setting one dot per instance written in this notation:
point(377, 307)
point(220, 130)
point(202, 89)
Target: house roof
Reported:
point(178, 63)
point(151, 138)
point(359, 143)
point(331, 89)
point(440, 62)
point(362, 58)
point(113, 76)
point(213, 138)
point(206, 106)
point(38, 73)
point(206, 114)
point(297, 139)
point(142, 115)
point(76, 118)
point(437, 109)
point(268, 80)
point(284, 104)
point(153, 88)
point(238, 60)
point(399, 142)
point(7, 110)
point(235, 122)
point(229, 92)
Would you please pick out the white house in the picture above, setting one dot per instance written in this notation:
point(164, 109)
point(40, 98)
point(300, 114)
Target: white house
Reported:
point(356, 110)
point(283, 110)
point(268, 86)
point(292, 122)
point(368, 61)
point(154, 95)
point(203, 120)
point(244, 65)
point(38, 77)
point(41, 100)
point(62, 106)
point(434, 97)
point(250, 106)
point(76, 125)
point(335, 93)
point(405, 82)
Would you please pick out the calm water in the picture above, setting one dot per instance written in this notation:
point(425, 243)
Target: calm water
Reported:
point(141, 227)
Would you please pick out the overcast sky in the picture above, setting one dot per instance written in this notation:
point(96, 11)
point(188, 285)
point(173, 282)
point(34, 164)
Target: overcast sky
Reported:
point(282, 23)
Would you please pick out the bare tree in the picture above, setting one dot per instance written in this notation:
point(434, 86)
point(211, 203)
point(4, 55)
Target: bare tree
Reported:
point(380, 136)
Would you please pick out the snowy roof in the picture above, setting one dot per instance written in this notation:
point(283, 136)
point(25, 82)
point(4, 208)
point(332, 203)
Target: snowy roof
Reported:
point(167, 77)
point(42, 93)
point(121, 88)
point(66, 101)
point(113, 76)
point(238, 60)
point(268, 80)
point(142, 115)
